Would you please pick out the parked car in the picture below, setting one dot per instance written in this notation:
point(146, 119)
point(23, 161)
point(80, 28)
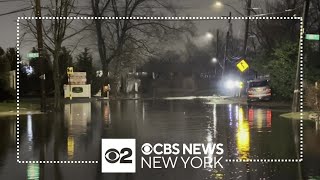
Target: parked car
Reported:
point(258, 90)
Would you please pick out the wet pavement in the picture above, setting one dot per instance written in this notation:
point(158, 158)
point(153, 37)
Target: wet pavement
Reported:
point(247, 132)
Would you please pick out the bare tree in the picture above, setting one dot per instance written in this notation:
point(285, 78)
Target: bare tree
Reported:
point(56, 31)
point(314, 17)
point(118, 35)
point(269, 33)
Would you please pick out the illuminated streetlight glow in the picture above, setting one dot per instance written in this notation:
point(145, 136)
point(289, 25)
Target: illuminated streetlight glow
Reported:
point(209, 35)
point(218, 4)
point(255, 8)
point(214, 60)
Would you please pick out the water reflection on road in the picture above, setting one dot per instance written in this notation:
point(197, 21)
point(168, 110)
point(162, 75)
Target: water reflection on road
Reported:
point(247, 132)
point(243, 136)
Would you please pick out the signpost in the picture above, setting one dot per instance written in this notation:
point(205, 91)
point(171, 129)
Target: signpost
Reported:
point(33, 55)
point(99, 73)
point(313, 37)
point(77, 85)
point(242, 65)
point(70, 72)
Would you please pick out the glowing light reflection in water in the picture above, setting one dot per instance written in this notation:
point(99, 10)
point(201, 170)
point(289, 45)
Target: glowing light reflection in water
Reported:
point(243, 136)
point(106, 114)
point(33, 171)
point(215, 121)
point(78, 116)
point(30, 132)
point(70, 147)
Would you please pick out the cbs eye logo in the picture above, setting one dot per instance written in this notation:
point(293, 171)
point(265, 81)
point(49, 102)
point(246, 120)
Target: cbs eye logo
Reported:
point(113, 155)
point(118, 155)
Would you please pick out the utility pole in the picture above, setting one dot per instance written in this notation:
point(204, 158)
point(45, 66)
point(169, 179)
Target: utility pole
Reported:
point(217, 54)
point(40, 51)
point(246, 33)
point(295, 101)
point(227, 46)
point(217, 51)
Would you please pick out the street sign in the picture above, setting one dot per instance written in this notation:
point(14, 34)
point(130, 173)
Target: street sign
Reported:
point(99, 73)
point(242, 65)
point(69, 70)
point(43, 76)
point(315, 37)
point(33, 55)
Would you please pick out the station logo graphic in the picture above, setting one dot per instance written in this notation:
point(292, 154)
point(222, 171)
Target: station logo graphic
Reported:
point(118, 156)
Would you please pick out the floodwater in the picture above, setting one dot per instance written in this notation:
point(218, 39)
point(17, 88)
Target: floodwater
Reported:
point(246, 132)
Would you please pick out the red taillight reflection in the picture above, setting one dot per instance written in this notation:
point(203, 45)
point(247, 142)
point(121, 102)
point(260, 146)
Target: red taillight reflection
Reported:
point(250, 119)
point(269, 118)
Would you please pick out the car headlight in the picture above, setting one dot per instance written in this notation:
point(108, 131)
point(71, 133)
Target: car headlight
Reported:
point(229, 84)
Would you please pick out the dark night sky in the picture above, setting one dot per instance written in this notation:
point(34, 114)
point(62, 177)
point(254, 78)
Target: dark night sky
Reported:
point(8, 25)
point(193, 8)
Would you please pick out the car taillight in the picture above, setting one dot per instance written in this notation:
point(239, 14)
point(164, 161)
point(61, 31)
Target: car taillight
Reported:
point(250, 90)
point(267, 89)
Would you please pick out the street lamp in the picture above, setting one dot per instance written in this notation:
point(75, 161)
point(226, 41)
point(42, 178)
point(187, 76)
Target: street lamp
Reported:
point(214, 60)
point(219, 4)
point(209, 35)
point(248, 10)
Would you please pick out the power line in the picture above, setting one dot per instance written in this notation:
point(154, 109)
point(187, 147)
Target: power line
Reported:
point(16, 11)
point(11, 0)
point(281, 12)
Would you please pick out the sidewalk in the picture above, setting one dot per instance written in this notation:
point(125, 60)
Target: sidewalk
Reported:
point(307, 115)
point(10, 108)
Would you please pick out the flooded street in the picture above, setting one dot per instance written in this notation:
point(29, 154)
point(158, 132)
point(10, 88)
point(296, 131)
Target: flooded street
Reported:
point(246, 132)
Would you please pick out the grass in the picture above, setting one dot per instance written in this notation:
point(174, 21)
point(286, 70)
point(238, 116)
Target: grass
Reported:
point(12, 106)
point(296, 115)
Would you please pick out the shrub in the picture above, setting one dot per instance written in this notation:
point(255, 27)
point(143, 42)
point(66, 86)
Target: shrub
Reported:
point(312, 96)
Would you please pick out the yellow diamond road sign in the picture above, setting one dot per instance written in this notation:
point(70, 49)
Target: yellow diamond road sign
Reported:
point(242, 65)
point(69, 70)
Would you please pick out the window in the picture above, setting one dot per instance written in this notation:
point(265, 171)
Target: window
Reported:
point(259, 84)
point(77, 89)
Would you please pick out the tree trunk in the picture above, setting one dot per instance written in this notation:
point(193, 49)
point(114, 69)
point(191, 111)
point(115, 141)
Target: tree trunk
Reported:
point(102, 54)
point(56, 80)
point(123, 83)
point(101, 44)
